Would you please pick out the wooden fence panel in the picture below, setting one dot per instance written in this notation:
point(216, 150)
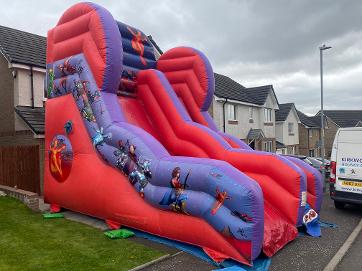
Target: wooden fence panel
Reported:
point(19, 166)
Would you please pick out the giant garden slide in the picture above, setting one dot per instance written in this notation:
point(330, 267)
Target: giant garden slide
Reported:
point(121, 146)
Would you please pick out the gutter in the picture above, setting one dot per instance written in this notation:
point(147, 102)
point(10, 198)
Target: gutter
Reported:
point(223, 114)
point(219, 99)
point(32, 86)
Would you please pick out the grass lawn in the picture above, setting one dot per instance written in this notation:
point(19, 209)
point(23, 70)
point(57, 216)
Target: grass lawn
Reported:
point(29, 242)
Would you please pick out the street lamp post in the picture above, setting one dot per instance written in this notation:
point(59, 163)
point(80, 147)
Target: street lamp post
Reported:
point(321, 49)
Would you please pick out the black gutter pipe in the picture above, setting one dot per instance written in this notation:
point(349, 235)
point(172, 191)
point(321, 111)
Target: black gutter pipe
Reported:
point(32, 86)
point(223, 114)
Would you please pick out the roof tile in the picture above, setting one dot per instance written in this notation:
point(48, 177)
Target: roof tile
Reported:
point(22, 47)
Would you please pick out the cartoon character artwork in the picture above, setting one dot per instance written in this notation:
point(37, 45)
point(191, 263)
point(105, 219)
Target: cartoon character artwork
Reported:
point(137, 169)
point(176, 197)
point(99, 137)
point(66, 68)
point(220, 198)
point(68, 127)
point(243, 217)
point(137, 43)
point(61, 88)
point(81, 90)
point(50, 82)
point(311, 221)
point(127, 158)
point(60, 157)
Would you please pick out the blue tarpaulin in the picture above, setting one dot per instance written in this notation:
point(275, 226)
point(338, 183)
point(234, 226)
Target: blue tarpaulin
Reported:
point(260, 264)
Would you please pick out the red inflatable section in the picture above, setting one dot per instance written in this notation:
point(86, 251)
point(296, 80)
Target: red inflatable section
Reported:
point(78, 31)
point(113, 198)
point(154, 110)
point(186, 72)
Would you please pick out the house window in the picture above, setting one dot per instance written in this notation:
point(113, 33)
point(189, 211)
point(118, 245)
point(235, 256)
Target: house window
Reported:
point(231, 111)
point(311, 153)
point(310, 133)
point(251, 112)
point(267, 114)
point(291, 128)
point(268, 146)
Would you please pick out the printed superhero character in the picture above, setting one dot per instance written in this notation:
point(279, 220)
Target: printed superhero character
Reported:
point(87, 113)
point(68, 127)
point(176, 197)
point(137, 43)
point(243, 217)
point(55, 157)
point(62, 87)
point(66, 67)
point(131, 163)
point(94, 97)
point(138, 170)
point(141, 176)
point(99, 137)
point(220, 198)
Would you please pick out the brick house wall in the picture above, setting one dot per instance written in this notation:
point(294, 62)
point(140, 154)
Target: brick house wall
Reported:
point(13, 130)
point(7, 114)
point(308, 140)
point(329, 134)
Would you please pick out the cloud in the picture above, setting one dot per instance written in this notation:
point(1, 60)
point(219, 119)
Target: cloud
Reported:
point(254, 42)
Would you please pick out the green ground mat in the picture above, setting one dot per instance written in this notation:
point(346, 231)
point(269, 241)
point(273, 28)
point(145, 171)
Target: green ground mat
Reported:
point(121, 233)
point(53, 215)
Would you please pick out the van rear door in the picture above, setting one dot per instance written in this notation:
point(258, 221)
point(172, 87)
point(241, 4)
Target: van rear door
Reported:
point(349, 161)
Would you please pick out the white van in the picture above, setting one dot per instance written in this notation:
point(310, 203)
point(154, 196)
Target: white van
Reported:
point(346, 167)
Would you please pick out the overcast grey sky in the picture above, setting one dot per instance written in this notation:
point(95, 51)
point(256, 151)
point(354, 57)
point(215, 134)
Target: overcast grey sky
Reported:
point(253, 42)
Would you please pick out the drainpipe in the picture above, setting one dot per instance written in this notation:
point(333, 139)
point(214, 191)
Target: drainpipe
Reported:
point(32, 86)
point(223, 114)
point(308, 131)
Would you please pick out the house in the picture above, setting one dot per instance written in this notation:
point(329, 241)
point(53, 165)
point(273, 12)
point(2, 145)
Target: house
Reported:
point(309, 135)
point(22, 73)
point(286, 129)
point(336, 119)
point(247, 113)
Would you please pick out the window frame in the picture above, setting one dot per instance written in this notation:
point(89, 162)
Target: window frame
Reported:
point(268, 146)
point(251, 113)
point(268, 116)
point(290, 128)
point(229, 111)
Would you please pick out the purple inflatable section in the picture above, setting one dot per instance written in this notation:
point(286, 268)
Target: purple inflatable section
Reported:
point(317, 177)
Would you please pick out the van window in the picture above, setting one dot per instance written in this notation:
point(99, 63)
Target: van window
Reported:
point(350, 136)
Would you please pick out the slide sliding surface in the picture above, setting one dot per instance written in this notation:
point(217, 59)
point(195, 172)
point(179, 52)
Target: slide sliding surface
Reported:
point(157, 109)
point(191, 77)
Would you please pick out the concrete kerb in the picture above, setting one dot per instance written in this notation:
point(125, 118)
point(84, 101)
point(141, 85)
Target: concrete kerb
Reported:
point(344, 248)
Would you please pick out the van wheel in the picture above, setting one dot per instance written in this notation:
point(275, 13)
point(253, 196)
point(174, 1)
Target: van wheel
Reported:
point(339, 204)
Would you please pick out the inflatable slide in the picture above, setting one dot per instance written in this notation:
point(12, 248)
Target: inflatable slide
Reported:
point(128, 141)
